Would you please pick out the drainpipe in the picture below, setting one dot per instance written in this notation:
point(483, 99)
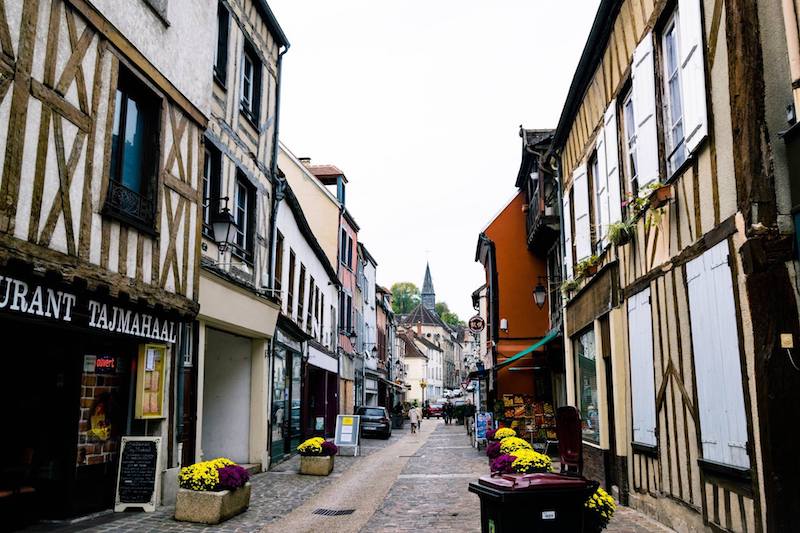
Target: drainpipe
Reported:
point(278, 184)
point(560, 189)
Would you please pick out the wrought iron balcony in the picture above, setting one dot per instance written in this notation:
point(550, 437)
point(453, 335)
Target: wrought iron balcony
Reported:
point(131, 206)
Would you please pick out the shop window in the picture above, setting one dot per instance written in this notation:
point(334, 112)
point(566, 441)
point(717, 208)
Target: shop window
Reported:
point(221, 51)
point(584, 349)
point(244, 217)
point(279, 263)
point(212, 173)
point(290, 288)
point(673, 100)
point(251, 84)
point(132, 190)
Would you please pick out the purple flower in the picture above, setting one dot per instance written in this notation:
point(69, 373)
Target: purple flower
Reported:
point(232, 477)
point(493, 450)
point(490, 434)
point(329, 449)
point(502, 465)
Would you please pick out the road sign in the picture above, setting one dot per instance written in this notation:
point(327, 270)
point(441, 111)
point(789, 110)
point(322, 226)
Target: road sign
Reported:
point(476, 324)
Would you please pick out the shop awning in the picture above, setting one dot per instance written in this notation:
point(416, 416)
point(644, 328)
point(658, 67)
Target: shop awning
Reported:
point(392, 384)
point(552, 334)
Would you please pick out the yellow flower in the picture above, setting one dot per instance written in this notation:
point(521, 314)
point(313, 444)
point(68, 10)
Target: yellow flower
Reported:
point(203, 475)
point(528, 461)
point(512, 444)
point(502, 433)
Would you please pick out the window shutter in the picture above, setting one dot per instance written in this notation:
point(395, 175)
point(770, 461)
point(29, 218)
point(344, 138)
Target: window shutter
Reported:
point(644, 110)
point(643, 387)
point(693, 78)
point(723, 422)
point(601, 190)
point(580, 199)
point(612, 164)
point(566, 217)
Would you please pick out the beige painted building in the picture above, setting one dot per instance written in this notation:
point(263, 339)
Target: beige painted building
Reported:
point(319, 204)
point(238, 310)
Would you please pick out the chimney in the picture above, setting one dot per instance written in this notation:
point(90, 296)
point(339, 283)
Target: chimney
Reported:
point(305, 160)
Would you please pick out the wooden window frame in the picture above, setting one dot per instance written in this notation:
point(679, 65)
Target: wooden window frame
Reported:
point(279, 263)
point(290, 303)
point(245, 250)
point(250, 104)
point(221, 50)
point(301, 295)
point(119, 197)
point(212, 186)
point(672, 145)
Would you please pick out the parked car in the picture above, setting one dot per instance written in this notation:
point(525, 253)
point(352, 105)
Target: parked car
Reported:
point(375, 421)
point(433, 410)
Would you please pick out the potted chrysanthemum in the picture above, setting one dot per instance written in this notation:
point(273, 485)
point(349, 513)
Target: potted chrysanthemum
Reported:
point(598, 511)
point(211, 492)
point(316, 456)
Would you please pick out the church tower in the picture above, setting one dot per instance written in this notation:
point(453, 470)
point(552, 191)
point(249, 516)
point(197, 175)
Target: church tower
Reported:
point(428, 295)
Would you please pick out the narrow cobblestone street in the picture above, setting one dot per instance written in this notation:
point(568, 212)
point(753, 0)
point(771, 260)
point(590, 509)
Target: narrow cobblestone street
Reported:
point(420, 484)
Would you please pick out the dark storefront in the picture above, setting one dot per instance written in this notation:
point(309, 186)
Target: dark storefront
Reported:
point(321, 399)
point(70, 391)
point(287, 381)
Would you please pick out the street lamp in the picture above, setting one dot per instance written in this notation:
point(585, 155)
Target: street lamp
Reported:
point(224, 226)
point(539, 295)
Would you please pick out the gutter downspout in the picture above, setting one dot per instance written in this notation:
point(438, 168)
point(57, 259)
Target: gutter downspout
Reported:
point(278, 184)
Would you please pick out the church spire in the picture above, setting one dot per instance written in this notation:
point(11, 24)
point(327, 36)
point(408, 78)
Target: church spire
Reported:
point(428, 294)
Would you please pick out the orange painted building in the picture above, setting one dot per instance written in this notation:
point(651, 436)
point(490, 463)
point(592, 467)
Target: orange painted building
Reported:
point(514, 321)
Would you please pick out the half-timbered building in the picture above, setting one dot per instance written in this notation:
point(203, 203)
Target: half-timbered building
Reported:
point(238, 300)
point(677, 230)
point(102, 121)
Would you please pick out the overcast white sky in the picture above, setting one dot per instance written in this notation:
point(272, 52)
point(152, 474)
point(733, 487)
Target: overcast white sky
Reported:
point(419, 102)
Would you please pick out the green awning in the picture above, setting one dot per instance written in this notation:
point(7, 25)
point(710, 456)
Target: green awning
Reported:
point(552, 334)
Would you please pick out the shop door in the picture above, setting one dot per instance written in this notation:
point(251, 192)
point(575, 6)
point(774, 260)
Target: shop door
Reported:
point(295, 428)
point(280, 396)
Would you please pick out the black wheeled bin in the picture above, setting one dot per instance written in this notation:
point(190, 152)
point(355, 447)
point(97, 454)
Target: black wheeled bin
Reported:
point(540, 503)
point(536, 503)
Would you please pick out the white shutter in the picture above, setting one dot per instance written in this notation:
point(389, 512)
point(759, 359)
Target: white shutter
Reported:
point(612, 164)
point(601, 190)
point(580, 199)
point(643, 385)
point(723, 422)
point(644, 111)
point(693, 78)
point(566, 217)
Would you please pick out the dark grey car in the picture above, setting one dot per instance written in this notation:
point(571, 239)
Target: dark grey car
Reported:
point(375, 421)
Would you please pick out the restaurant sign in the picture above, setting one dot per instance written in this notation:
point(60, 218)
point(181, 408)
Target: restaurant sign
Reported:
point(37, 299)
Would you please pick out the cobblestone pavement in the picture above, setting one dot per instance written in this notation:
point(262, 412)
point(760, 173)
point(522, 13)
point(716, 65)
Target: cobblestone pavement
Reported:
point(275, 493)
point(429, 494)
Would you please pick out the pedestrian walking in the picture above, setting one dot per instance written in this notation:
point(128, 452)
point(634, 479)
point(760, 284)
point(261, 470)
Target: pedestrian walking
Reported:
point(413, 415)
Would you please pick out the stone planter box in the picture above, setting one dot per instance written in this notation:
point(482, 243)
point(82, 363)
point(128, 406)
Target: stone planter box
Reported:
point(205, 507)
point(316, 466)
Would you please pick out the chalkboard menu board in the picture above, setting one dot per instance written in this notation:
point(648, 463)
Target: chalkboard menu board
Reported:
point(139, 473)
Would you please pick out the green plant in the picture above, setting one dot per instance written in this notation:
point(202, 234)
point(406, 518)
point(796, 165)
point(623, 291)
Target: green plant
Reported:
point(584, 267)
point(569, 285)
point(621, 232)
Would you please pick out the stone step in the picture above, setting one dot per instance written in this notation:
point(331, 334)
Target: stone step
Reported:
point(252, 468)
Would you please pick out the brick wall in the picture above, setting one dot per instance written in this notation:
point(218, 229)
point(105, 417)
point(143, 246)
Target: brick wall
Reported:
point(106, 390)
point(594, 464)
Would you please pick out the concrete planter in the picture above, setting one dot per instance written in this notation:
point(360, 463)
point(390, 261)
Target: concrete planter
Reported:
point(316, 466)
point(205, 507)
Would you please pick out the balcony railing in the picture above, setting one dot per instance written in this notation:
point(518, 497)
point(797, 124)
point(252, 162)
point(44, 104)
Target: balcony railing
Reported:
point(542, 217)
point(130, 205)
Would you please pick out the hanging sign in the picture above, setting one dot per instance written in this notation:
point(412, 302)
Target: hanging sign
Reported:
point(476, 324)
point(139, 474)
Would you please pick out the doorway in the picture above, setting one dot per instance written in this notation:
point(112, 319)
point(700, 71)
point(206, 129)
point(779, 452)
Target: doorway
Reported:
point(285, 422)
